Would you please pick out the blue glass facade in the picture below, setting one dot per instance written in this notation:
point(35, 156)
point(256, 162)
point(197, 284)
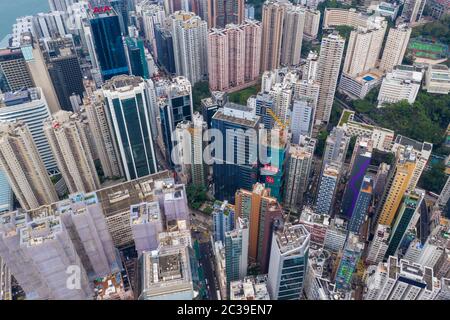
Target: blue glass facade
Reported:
point(133, 135)
point(229, 177)
point(223, 220)
point(361, 206)
point(164, 49)
point(136, 57)
point(109, 47)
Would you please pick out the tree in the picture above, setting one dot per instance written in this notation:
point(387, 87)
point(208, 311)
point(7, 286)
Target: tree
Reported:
point(434, 179)
point(196, 195)
point(320, 146)
point(200, 91)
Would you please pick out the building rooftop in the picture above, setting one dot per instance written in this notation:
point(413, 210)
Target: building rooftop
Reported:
point(292, 237)
point(145, 212)
point(250, 288)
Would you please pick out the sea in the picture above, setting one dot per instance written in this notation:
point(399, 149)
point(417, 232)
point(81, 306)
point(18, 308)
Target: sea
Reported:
point(12, 9)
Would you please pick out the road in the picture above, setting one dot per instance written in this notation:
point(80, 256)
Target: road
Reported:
point(206, 262)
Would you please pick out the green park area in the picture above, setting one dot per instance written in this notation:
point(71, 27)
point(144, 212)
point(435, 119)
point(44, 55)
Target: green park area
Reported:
point(241, 96)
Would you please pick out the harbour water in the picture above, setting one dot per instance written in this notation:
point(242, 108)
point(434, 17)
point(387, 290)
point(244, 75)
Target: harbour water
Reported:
point(12, 9)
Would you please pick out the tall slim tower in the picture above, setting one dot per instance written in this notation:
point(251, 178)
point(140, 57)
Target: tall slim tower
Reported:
point(128, 109)
point(395, 47)
point(397, 185)
point(327, 187)
point(298, 170)
point(190, 45)
point(107, 40)
point(23, 166)
point(104, 141)
point(291, 44)
point(288, 262)
point(68, 137)
point(272, 29)
point(262, 212)
point(224, 12)
point(331, 50)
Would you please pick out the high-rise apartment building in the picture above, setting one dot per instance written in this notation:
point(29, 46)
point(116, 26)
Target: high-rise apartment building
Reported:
point(302, 118)
point(233, 55)
point(223, 12)
point(288, 262)
point(262, 212)
point(336, 146)
point(190, 45)
point(236, 251)
point(395, 47)
point(299, 161)
point(312, 24)
point(379, 244)
point(31, 107)
point(292, 37)
point(272, 30)
point(412, 10)
point(68, 136)
point(23, 166)
point(364, 46)
point(128, 107)
point(107, 41)
point(331, 50)
point(102, 135)
point(327, 188)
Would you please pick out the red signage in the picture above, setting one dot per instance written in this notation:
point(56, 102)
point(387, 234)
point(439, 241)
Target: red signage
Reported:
point(104, 9)
point(270, 180)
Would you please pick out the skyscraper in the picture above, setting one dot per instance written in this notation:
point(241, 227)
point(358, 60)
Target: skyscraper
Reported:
point(23, 166)
point(288, 262)
point(14, 74)
point(190, 45)
point(262, 212)
point(164, 48)
point(137, 62)
point(412, 10)
point(291, 44)
point(223, 12)
point(298, 170)
point(236, 164)
point(362, 205)
point(272, 30)
point(395, 47)
point(327, 188)
point(31, 107)
point(107, 40)
point(364, 46)
point(223, 219)
point(272, 172)
point(362, 154)
point(407, 210)
point(107, 148)
point(233, 55)
point(331, 50)
point(128, 110)
point(64, 70)
point(175, 106)
point(349, 258)
point(67, 134)
point(396, 185)
point(236, 251)
point(302, 118)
